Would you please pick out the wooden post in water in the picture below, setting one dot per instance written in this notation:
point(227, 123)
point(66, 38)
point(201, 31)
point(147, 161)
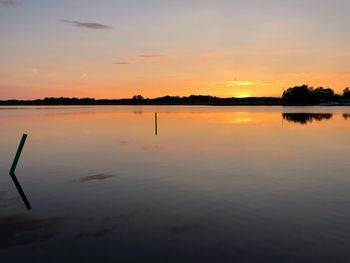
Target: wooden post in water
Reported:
point(18, 154)
point(156, 123)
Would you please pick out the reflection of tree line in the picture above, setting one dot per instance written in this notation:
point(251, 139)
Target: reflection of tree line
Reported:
point(346, 116)
point(305, 118)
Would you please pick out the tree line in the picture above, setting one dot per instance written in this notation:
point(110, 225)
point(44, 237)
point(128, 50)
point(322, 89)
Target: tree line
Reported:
point(140, 100)
point(305, 95)
point(298, 95)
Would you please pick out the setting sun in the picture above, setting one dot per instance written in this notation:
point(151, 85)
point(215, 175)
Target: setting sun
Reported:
point(241, 94)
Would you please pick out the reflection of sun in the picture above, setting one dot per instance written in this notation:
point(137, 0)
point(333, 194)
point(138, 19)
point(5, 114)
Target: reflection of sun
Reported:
point(239, 120)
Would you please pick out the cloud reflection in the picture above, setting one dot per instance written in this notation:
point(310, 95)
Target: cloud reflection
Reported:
point(152, 147)
point(124, 142)
point(95, 177)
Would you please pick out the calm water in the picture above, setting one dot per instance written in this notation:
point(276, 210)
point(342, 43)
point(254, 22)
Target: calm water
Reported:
point(217, 184)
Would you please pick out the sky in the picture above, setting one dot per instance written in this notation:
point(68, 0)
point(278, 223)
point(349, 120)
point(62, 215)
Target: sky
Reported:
point(117, 48)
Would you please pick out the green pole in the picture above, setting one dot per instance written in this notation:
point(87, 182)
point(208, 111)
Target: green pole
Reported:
point(18, 153)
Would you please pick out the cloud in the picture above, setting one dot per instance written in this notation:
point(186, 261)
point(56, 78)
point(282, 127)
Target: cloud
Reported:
point(237, 83)
point(342, 72)
point(83, 76)
point(86, 24)
point(11, 3)
point(35, 71)
point(121, 63)
point(151, 56)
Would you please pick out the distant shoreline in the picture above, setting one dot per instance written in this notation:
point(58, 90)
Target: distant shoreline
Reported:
point(140, 104)
point(270, 101)
point(139, 100)
point(296, 96)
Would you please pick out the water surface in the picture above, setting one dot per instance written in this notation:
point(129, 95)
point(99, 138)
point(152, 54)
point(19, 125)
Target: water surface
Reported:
point(212, 184)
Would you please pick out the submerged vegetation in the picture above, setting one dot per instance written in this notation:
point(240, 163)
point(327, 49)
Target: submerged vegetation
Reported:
point(298, 95)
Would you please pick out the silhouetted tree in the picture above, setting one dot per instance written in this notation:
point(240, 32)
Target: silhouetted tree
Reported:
point(137, 97)
point(346, 93)
point(324, 94)
point(305, 95)
point(302, 95)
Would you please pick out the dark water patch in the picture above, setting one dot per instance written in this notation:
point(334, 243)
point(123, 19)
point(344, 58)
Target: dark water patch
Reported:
point(124, 218)
point(109, 225)
point(23, 229)
point(185, 228)
point(95, 234)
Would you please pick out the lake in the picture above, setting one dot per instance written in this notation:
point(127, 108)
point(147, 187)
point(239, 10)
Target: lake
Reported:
point(208, 184)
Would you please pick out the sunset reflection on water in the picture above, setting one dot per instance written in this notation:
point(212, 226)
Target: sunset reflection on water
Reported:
point(230, 182)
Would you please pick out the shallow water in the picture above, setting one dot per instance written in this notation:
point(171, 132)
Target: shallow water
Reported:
point(212, 184)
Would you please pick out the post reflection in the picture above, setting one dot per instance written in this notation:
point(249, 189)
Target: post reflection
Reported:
point(20, 191)
point(156, 123)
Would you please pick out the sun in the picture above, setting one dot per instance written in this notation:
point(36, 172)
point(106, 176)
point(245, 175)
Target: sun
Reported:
point(242, 94)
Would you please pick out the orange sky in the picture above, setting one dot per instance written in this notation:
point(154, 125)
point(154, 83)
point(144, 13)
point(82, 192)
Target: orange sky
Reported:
point(114, 49)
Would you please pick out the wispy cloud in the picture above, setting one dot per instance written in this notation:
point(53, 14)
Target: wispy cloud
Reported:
point(11, 3)
point(35, 71)
point(151, 56)
point(236, 83)
point(342, 72)
point(83, 76)
point(86, 24)
point(142, 56)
